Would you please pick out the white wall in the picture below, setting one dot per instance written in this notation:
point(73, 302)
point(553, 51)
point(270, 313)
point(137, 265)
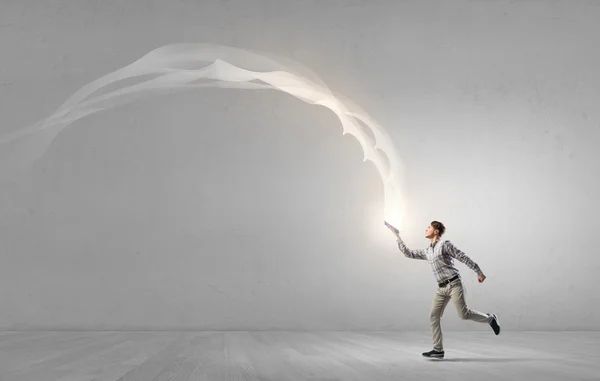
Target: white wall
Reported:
point(225, 209)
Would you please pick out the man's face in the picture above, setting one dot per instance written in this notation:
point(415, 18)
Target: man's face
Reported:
point(430, 232)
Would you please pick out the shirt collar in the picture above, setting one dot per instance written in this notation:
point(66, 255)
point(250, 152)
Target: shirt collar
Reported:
point(434, 243)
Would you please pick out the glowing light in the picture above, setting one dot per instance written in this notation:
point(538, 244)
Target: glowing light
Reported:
point(190, 66)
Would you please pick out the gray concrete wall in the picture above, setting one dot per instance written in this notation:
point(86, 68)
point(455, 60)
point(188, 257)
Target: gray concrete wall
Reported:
point(228, 209)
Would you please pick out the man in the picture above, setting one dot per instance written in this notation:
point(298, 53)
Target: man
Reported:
point(440, 255)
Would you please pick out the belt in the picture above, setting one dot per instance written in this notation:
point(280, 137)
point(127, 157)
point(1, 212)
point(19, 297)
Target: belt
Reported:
point(444, 283)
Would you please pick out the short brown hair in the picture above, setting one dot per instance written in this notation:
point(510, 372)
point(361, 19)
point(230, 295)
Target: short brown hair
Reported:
point(438, 226)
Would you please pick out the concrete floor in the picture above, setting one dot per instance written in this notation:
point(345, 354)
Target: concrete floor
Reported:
point(278, 356)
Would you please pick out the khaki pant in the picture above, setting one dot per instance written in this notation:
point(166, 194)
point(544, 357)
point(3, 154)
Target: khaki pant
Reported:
point(455, 291)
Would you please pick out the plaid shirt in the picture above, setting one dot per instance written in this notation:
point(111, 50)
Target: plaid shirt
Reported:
point(440, 258)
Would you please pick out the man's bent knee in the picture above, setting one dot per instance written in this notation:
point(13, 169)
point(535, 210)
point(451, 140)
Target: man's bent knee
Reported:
point(464, 314)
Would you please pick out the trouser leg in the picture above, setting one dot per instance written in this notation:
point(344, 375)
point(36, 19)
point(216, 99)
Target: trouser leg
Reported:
point(457, 294)
point(440, 301)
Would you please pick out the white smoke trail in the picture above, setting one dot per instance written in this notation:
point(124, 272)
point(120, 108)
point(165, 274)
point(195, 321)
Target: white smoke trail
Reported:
point(189, 66)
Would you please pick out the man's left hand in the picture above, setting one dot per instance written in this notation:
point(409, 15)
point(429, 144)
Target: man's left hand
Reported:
point(481, 278)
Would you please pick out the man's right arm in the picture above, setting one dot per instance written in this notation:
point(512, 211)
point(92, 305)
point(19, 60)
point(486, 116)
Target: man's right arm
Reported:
point(414, 254)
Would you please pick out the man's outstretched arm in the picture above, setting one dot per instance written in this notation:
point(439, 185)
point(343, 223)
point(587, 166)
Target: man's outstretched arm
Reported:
point(462, 257)
point(414, 254)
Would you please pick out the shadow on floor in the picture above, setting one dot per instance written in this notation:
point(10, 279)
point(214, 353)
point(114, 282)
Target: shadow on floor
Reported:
point(487, 359)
